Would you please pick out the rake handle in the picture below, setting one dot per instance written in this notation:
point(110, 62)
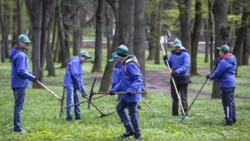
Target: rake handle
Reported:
point(44, 86)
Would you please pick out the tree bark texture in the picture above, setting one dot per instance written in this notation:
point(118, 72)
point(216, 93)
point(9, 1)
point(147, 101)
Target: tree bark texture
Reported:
point(220, 8)
point(241, 36)
point(126, 21)
point(107, 75)
point(35, 11)
point(196, 36)
point(97, 67)
point(185, 21)
point(139, 35)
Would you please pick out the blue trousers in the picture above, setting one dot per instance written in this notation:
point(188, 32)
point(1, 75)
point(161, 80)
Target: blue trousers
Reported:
point(227, 96)
point(131, 123)
point(19, 95)
point(72, 98)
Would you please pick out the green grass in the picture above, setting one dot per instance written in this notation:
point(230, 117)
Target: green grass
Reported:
point(41, 113)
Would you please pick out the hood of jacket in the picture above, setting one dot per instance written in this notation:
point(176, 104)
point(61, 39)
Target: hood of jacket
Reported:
point(15, 50)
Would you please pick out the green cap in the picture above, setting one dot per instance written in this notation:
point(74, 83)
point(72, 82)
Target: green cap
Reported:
point(224, 48)
point(114, 57)
point(84, 54)
point(122, 50)
point(23, 38)
point(177, 43)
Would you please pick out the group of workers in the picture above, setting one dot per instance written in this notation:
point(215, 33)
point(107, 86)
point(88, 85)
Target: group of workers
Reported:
point(127, 78)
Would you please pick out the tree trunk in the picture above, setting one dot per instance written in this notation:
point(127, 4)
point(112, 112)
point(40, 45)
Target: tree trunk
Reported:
point(196, 36)
point(109, 18)
point(206, 36)
point(185, 21)
point(158, 35)
point(19, 16)
point(35, 11)
point(77, 40)
point(139, 35)
point(48, 12)
point(246, 48)
point(64, 50)
point(126, 21)
point(77, 30)
point(97, 67)
point(153, 32)
point(107, 75)
point(5, 22)
point(220, 8)
point(241, 35)
point(16, 26)
point(211, 33)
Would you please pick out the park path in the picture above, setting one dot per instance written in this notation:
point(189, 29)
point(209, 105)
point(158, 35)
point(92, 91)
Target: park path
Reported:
point(158, 81)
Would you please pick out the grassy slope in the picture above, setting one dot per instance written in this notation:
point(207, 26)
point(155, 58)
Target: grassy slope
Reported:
point(41, 114)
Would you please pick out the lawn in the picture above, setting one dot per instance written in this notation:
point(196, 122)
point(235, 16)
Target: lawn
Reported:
point(42, 122)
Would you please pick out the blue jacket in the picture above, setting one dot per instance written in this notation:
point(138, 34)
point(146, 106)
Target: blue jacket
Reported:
point(131, 81)
point(20, 73)
point(73, 74)
point(225, 71)
point(180, 63)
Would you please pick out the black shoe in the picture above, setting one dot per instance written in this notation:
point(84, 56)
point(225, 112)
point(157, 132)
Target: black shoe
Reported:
point(78, 118)
point(127, 134)
point(228, 124)
point(69, 119)
point(234, 121)
point(138, 137)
